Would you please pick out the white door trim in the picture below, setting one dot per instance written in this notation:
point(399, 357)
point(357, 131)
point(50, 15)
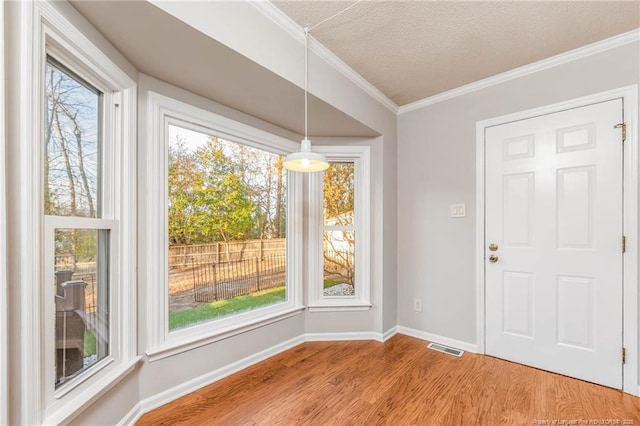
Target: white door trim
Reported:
point(629, 95)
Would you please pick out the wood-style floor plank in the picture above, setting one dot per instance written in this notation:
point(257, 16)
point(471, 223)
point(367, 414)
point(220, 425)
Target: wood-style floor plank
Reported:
point(399, 382)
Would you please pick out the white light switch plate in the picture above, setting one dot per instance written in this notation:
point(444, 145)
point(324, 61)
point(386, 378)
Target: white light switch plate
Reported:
point(458, 210)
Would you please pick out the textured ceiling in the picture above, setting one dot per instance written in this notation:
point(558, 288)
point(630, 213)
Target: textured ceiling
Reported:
point(411, 50)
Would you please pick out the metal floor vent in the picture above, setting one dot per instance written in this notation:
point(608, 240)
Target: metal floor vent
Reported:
point(445, 349)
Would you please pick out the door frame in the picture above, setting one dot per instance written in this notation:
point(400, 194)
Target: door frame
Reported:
point(630, 326)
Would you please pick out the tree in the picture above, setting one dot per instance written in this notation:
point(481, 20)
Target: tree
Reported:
point(71, 145)
point(71, 156)
point(183, 180)
point(224, 197)
point(338, 201)
point(208, 200)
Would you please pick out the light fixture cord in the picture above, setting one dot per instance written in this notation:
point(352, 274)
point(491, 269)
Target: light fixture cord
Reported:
point(306, 61)
point(306, 77)
point(332, 16)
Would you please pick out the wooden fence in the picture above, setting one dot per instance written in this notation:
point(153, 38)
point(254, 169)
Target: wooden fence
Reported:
point(224, 251)
point(219, 281)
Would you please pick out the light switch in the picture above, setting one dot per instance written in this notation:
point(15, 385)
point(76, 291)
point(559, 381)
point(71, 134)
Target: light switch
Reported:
point(458, 210)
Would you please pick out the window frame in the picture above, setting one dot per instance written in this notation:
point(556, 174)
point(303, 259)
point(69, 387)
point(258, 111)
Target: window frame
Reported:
point(317, 301)
point(51, 224)
point(163, 111)
point(43, 32)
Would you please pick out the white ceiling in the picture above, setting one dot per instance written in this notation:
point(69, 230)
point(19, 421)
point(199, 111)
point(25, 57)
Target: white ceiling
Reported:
point(411, 50)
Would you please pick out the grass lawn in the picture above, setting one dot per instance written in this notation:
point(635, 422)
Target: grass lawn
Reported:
point(331, 282)
point(225, 307)
point(89, 343)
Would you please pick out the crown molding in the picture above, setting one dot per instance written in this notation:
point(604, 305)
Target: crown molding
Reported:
point(296, 31)
point(562, 58)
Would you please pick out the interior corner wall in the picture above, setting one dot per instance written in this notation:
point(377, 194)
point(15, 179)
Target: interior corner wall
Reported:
point(243, 28)
point(334, 323)
point(437, 161)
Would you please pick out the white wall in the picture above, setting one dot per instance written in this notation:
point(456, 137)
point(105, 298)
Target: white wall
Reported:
point(436, 157)
point(3, 232)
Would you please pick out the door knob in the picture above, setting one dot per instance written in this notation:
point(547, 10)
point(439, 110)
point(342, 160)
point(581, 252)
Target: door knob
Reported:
point(493, 247)
point(493, 258)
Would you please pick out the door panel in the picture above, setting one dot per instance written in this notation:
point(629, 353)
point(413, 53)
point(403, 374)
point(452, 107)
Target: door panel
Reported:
point(554, 208)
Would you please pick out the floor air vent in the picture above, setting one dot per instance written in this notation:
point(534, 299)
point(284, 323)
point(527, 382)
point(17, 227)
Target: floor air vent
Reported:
point(445, 349)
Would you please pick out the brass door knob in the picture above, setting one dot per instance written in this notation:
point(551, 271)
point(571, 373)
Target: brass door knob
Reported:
point(493, 258)
point(493, 247)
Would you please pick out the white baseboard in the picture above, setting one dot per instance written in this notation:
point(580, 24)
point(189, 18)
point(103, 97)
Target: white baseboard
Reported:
point(458, 344)
point(176, 392)
point(390, 333)
point(357, 335)
point(132, 416)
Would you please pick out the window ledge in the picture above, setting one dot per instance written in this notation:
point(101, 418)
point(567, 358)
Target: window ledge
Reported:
point(174, 347)
point(75, 405)
point(355, 306)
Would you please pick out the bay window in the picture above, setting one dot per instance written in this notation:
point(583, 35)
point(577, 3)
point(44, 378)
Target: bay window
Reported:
point(222, 229)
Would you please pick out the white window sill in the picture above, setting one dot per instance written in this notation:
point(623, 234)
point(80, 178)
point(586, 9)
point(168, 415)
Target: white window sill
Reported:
point(74, 406)
point(176, 346)
point(350, 305)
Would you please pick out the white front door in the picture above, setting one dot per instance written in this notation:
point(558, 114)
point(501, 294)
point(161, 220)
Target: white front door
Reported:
point(554, 202)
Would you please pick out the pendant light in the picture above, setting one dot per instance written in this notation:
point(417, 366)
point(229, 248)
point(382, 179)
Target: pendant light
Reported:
point(306, 160)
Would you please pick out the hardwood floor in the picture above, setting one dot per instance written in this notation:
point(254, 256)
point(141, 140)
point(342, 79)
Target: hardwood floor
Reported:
point(398, 382)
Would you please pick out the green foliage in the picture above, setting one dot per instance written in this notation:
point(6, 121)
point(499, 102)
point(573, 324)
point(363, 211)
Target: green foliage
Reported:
point(79, 244)
point(207, 199)
point(225, 307)
point(339, 184)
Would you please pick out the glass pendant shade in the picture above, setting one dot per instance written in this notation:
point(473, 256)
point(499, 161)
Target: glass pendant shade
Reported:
point(305, 160)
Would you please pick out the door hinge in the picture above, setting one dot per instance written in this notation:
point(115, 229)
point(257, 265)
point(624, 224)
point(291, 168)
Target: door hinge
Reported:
point(624, 355)
point(624, 244)
point(623, 126)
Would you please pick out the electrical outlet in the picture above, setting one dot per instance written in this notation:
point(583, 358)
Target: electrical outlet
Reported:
point(458, 210)
point(417, 305)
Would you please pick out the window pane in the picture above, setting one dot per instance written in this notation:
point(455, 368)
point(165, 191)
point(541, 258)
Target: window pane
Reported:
point(72, 154)
point(81, 301)
point(339, 263)
point(339, 183)
point(227, 228)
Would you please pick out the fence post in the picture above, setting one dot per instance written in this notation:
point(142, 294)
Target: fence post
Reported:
point(258, 271)
point(196, 296)
point(218, 252)
point(261, 249)
point(215, 284)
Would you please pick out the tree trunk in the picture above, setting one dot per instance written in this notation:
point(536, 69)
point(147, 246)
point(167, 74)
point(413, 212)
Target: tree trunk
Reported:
point(67, 163)
point(83, 173)
point(279, 203)
point(267, 211)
